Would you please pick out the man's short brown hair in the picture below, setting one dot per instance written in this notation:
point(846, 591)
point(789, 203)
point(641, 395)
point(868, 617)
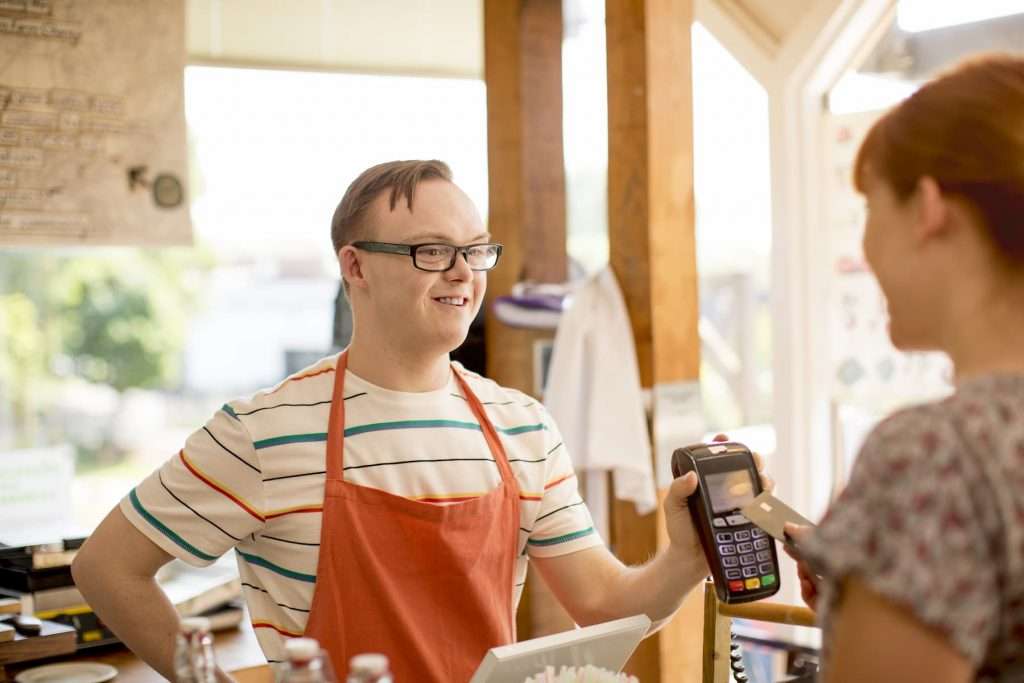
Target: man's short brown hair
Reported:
point(401, 177)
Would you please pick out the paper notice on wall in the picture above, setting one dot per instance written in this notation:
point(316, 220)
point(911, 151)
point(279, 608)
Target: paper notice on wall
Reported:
point(678, 420)
point(867, 370)
point(35, 494)
point(92, 125)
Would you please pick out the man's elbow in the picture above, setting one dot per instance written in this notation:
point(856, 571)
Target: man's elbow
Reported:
point(594, 609)
point(97, 563)
point(581, 618)
point(85, 569)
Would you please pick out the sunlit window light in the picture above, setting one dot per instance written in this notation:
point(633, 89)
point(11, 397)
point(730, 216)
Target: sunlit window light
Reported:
point(925, 15)
point(864, 92)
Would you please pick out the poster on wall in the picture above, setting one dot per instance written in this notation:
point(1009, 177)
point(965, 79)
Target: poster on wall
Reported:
point(92, 125)
point(869, 376)
point(865, 366)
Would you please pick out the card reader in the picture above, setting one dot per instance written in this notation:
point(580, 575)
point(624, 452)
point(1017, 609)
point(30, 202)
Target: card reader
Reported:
point(741, 556)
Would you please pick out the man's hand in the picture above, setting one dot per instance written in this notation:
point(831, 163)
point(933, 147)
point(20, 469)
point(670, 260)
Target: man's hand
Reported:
point(808, 579)
point(682, 535)
point(681, 532)
point(594, 586)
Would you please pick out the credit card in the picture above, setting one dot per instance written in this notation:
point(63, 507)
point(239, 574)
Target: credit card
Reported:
point(772, 515)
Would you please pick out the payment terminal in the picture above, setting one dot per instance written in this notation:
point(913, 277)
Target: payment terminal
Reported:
point(741, 556)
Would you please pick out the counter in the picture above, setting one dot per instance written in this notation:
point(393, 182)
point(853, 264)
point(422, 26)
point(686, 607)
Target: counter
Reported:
point(237, 651)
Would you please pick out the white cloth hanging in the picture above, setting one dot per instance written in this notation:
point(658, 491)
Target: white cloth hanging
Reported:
point(594, 394)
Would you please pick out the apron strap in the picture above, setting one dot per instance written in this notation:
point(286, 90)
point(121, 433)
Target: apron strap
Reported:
point(336, 422)
point(490, 433)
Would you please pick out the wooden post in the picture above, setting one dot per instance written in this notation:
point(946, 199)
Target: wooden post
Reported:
point(653, 254)
point(715, 648)
point(523, 70)
point(526, 173)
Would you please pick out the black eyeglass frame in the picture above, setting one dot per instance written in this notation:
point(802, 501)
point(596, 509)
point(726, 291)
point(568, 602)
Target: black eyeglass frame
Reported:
point(411, 249)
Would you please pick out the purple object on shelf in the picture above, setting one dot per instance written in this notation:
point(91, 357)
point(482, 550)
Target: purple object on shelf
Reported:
point(544, 302)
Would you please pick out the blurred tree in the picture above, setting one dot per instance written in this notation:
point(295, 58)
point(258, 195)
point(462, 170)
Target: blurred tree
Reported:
point(119, 321)
point(23, 363)
point(114, 317)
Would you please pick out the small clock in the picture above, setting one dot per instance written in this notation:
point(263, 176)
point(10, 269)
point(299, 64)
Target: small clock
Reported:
point(167, 191)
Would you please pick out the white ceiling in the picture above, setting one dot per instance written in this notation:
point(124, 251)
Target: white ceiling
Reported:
point(429, 37)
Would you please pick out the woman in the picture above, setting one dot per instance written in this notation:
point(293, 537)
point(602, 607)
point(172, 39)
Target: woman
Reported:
point(921, 559)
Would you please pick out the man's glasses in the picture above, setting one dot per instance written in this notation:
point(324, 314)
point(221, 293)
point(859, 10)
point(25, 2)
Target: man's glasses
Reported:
point(438, 258)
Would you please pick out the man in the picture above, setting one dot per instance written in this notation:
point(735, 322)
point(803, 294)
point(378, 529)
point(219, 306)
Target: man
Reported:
point(383, 499)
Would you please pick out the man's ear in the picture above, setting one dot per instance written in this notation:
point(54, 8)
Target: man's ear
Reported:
point(931, 209)
point(351, 268)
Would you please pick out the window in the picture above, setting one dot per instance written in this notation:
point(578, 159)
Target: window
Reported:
point(733, 193)
point(732, 185)
point(111, 357)
point(869, 377)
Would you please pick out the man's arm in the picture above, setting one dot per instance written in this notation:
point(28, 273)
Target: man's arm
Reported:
point(594, 586)
point(876, 640)
point(115, 572)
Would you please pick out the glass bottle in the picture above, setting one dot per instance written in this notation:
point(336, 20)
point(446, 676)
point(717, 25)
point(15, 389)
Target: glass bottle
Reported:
point(369, 668)
point(305, 662)
point(194, 661)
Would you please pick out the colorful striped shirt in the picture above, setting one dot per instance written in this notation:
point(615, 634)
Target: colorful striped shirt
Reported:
point(252, 479)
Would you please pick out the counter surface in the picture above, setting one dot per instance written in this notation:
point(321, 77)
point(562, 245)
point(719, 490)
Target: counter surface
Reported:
point(237, 651)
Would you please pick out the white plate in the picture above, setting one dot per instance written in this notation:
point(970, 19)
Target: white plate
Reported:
point(71, 672)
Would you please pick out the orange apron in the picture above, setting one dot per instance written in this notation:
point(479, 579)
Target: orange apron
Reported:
point(428, 585)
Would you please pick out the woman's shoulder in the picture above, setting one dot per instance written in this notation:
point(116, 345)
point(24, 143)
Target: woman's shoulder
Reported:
point(989, 410)
point(916, 436)
point(977, 430)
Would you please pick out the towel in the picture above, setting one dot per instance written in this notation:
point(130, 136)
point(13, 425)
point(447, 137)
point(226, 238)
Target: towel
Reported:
point(594, 395)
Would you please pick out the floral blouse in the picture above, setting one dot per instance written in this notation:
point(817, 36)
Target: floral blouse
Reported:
point(933, 519)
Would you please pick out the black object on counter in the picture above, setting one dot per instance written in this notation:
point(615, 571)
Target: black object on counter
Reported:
point(23, 624)
point(38, 567)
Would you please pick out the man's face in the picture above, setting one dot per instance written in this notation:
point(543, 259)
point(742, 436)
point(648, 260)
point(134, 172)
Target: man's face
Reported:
point(424, 311)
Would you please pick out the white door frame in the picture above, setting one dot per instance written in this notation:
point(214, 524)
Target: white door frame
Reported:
point(797, 76)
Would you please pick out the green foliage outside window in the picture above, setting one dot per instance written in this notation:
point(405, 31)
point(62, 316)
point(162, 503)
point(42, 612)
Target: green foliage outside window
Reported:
point(114, 317)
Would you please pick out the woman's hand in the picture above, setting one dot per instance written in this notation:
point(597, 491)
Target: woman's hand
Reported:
point(808, 579)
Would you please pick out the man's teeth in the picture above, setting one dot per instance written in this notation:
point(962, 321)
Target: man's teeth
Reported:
point(453, 301)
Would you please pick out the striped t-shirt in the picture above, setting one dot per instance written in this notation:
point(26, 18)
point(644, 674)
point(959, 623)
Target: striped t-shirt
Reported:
point(253, 479)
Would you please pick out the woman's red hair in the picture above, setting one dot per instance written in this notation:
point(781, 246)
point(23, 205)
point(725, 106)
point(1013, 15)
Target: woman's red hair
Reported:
point(965, 129)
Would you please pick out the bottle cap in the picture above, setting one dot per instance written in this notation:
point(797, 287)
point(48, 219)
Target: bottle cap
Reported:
point(301, 649)
point(194, 625)
point(369, 663)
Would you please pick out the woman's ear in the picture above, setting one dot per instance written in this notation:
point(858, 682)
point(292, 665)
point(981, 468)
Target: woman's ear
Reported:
point(351, 268)
point(931, 209)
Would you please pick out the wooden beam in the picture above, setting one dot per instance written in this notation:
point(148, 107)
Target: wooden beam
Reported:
point(652, 251)
point(543, 179)
point(526, 180)
point(717, 639)
point(506, 210)
point(523, 70)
